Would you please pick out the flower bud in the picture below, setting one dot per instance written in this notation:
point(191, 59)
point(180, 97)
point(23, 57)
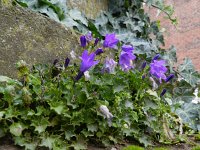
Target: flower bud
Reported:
point(67, 60)
point(83, 41)
point(98, 51)
point(156, 57)
point(170, 77)
point(163, 92)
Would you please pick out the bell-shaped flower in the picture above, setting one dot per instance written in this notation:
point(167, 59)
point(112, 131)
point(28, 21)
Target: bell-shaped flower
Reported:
point(98, 51)
point(126, 60)
point(87, 75)
point(83, 41)
point(89, 37)
point(163, 92)
point(170, 77)
point(106, 113)
point(156, 57)
point(96, 41)
point(67, 60)
point(158, 69)
point(110, 41)
point(109, 65)
point(127, 48)
point(87, 61)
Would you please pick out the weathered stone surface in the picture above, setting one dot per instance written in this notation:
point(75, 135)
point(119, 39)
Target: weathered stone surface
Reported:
point(91, 8)
point(31, 37)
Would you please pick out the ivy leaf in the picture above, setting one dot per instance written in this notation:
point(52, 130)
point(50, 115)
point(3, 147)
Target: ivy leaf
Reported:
point(1, 114)
point(76, 15)
point(58, 107)
point(144, 140)
point(29, 145)
point(4, 79)
point(79, 144)
point(92, 127)
point(118, 88)
point(16, 129)
point(40, 124)
point(69, 134)
point(190, 114)
point(48, 142)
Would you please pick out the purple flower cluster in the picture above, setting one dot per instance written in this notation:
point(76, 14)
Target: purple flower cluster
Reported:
point(87, 61)
point(158, 69)
point(126, 57)
point(109, 65)
point(110, 41)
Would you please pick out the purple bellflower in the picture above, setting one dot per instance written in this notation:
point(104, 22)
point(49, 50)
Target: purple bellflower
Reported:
point(158, 69)
point(67, 60)
point(98, 51)
point(163, 92)
point(127, 48)
point(109, 65)
point(144, 64)
point(156, 57)
point(89, 37)
point(87, 61)
point(170, 77)
point(86, 64)
point(110, 41)
point(83, 41)
point(126, 57)
point(96, 41)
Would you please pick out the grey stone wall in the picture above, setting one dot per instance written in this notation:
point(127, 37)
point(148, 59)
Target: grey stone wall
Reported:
point(32, 37)
point(91, 8)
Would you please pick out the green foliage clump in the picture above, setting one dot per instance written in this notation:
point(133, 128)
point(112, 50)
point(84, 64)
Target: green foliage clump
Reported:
point(48, 108)
point(196, 148)
point(133, 147)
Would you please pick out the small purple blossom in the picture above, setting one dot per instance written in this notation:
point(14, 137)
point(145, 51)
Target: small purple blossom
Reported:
point(163, 92)
point(83, 41)
point(89, 37)
point(144, 65)
point(127, 48)
point(125, 60)
point(87, 61)
point(80, 74)
point(158, 69)
point(110, 41)
point(96, 41)
point(109, 65)
point(170, 77)
point(156, 57)
point(98, 51)
point(67, 60)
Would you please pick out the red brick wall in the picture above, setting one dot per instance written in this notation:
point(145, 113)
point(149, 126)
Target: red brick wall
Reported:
point(186, 36)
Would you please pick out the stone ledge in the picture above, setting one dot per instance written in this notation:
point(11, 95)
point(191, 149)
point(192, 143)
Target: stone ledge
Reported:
point(31, 37)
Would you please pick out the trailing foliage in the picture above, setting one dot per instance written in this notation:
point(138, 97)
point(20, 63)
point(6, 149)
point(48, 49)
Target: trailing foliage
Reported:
point(55, 108)
point(62, 106)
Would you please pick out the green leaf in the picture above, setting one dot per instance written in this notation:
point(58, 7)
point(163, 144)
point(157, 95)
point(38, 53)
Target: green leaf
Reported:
point(5, 79)
point(1, 114)
point(40, 124)
point(119, 88)
point(92, 127)
point(48, 142)
point(190, 114)
point(69, 134)
point(16, 129)
point(58, 107)
point(76, 15)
